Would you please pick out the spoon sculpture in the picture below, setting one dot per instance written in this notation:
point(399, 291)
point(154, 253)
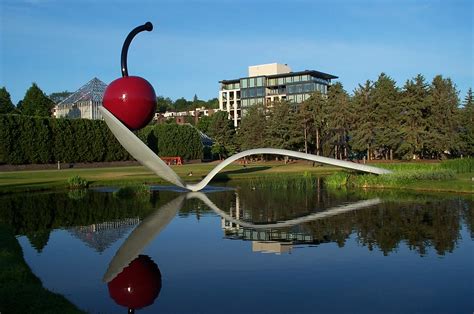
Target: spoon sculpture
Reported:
point(149, 159)
point(129, 104)
point(151, 226)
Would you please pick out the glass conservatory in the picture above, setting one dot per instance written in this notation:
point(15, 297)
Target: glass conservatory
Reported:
point(84, 103)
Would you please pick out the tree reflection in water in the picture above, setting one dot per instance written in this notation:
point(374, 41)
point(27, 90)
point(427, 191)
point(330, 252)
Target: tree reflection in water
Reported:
point(419, 221)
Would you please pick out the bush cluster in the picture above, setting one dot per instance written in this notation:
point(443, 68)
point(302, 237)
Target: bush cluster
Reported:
point(40, 140)
point(76, 182)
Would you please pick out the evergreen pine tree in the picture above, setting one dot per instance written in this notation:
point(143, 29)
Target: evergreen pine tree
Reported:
point(222, 132)
point(442, 129)
point(6, 105)
point(316, 106)
point(281, 128)
point(339, 120)
point(466, 121)
point(414, 118)
point(251, 133)
point(305, 117)
point(35, 103)
point(386, 113)
point(363, 134)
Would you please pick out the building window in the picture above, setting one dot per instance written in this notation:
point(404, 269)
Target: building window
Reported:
point(308, 87)
point(244, 83)
point(252, 82)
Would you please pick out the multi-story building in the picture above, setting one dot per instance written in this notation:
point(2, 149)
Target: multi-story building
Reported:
point(267, 83)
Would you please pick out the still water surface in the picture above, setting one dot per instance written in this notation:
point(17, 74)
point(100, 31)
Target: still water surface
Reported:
point(243, 249)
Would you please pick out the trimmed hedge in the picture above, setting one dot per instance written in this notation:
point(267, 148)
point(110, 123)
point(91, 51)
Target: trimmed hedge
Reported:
point(173, 140)
point(30, 140)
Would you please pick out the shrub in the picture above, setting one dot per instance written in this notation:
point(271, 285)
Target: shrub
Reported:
point(76, 182)
point(132, 190)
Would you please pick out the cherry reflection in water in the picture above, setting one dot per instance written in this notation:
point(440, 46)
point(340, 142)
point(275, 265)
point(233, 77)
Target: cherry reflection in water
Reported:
point(138, 285)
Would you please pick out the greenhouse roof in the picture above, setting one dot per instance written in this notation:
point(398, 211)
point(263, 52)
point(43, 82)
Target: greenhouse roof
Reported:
point(92, 91)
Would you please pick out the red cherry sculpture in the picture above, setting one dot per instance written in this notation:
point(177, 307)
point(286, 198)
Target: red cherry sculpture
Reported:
point(138, 285)
point(131, 99)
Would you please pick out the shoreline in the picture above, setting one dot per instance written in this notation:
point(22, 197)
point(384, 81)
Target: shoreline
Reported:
point(130, 173)
point(21, 290)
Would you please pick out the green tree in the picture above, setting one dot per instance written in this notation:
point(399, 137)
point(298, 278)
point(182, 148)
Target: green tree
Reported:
point(413, 118)
point(339, 120)
point(6, 105)
point(386, 106)
point(163, 104)
point(212, 103)
point(251, 133)
point(203, 124)
point(281, 128)
point(35, 103)
point(443, 123)
point(315, 110)
point(305, 118)
point(182, 104)
point(222, 131)
point(466, 121)
point(363, 134)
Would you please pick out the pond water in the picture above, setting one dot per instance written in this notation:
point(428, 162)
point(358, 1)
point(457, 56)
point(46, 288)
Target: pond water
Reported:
point(250, 249)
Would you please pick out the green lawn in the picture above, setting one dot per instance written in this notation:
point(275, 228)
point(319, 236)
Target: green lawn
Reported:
point(20, 181)
point(56, 179)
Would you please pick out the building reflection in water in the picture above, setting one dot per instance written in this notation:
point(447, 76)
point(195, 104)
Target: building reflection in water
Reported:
point(275, 237)
point(100, 236)
point(264, 241)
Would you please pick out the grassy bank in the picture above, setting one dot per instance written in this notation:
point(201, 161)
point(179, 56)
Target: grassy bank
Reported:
point(447, 176)
point(20, 181)
point(21, 291)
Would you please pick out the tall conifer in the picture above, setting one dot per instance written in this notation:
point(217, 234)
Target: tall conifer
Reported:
point(6, 105)
point(35, 103)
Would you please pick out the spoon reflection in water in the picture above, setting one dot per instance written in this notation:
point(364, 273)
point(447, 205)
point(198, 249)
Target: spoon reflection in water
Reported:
point(134, 280)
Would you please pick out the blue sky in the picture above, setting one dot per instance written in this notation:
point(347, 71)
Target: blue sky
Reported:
point(61, 45)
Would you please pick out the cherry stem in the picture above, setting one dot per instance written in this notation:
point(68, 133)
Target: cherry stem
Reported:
point(145, 27)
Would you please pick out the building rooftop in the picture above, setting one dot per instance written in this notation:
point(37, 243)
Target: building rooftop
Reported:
point(310, 72)
point(92, 91)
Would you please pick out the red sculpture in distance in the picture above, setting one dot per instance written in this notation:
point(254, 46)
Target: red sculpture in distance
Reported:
point(138, 285)
point(131, 99)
